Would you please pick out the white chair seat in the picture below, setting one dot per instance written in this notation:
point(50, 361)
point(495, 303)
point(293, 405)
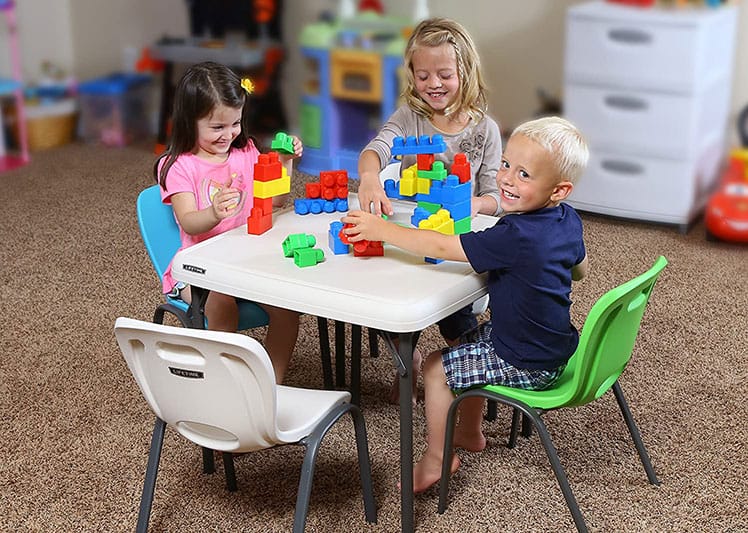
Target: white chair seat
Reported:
point(300, 410)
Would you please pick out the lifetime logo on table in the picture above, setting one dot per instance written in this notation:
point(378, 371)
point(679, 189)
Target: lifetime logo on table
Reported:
point(192, 268)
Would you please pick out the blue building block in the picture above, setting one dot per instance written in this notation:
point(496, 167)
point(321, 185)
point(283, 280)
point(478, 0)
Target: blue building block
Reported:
point(392, 189)
point(341, 204)
point(304, 206)
point(418, 145)
point(433, 261)
point(419, 213)
point(455, 192)
point(337, 246)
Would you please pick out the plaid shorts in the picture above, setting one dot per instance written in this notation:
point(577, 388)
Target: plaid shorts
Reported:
point(474, 363)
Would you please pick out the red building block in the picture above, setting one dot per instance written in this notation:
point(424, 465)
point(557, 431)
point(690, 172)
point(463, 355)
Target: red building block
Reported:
point(268, 167)
point(461, 168)
point(259, 222)
point(313, 190)
point(425, 161)
point(264, 204)
point(368, 249)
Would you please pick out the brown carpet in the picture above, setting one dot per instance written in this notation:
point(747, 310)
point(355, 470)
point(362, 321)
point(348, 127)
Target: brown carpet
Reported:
point(75, 429)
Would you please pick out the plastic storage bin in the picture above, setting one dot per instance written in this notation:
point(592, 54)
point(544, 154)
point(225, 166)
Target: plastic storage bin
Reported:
point(115, 110)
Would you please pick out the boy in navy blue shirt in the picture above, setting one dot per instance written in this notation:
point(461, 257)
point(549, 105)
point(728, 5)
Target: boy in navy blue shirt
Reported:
point(531, 255)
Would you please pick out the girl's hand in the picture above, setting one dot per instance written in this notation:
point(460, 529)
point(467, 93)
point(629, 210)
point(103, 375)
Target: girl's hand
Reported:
point(365, 226)
point(371, 196)
point(298, 150)
point(225, 201)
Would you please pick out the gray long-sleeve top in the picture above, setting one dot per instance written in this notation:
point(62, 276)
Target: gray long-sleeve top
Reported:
point(480, 142)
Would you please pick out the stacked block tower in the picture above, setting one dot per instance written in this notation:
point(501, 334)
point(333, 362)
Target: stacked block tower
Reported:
point(443, 197)
point(270, 179)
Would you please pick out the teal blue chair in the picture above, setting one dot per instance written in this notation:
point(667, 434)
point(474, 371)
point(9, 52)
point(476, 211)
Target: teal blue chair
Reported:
point(604, 350)
point(160, 234)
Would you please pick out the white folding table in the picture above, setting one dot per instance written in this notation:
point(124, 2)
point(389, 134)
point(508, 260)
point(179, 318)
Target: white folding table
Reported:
point(398, 293)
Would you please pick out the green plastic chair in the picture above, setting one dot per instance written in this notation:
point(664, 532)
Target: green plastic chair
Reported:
point(605, 347)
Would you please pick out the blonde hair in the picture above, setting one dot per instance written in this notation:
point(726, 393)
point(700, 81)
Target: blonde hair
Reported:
point(472, 93)
point(562, 140)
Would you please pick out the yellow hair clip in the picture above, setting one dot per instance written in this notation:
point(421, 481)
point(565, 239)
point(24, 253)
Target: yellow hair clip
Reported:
point(248, 86)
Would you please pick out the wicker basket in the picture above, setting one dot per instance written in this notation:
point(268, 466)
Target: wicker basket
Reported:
point(50, 125)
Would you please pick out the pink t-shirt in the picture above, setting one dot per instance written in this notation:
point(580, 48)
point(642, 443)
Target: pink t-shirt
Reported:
point(190, 173)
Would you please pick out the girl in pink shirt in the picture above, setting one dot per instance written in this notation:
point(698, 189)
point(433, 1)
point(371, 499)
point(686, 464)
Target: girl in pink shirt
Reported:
point(206, 174)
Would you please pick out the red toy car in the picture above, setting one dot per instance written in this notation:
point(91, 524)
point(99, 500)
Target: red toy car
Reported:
point(726, 215)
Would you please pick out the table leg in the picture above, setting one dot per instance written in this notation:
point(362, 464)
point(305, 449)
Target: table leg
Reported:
point(196, 310)
point(324, 349)
point(406, 432)
point(340, 353)
point(356, 365)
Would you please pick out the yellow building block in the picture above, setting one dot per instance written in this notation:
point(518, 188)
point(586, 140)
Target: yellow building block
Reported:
point(423, 185)
point(440, 221)
point(268, 189)
point(408, 181)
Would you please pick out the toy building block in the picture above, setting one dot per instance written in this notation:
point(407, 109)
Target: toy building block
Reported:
point(392, 189)
point(305, 257)
point(440, 221)
point(429, 206)
point(463, 225)
point(334, 241)
point(282, 143)
point(313, 190)
point(259, 222)
point(433, 260)
point(343, 236)
point(424, 161)
point(334, 184)
point(263, 204)
point(304, 206)
point(296, 241)
point(408, 182)
point(461, 168)
point(276, 187)
point(420, 145)
point(436, 172)
point(423, 186)
point(419, 213)
point(368, 249)
point(268, 167)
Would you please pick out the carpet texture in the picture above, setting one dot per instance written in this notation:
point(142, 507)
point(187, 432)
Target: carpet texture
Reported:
point(76, 431)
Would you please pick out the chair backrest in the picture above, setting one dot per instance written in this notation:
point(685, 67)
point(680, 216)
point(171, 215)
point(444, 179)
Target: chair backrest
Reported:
point(215, 388)
point(608, 336)
point(158, 228)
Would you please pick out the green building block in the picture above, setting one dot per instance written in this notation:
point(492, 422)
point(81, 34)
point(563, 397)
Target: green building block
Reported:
point(437, 172)
point(304, 257)
point(283, 143)
point(296, 241)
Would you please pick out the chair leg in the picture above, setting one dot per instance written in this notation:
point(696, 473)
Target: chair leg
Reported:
point(373, 343)
point(635, 435)
point(355, 364)
point(491, 411)
point(533, 417)
point(228, 468)
point(209, 462)
point(516, 414)
point(312, 444)
point(526, 427)
point(151, 472)
point(447, 454)
point(364, 465)
point(324, 350)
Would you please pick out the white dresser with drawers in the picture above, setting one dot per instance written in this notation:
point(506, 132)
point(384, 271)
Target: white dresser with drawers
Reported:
point(650, 90)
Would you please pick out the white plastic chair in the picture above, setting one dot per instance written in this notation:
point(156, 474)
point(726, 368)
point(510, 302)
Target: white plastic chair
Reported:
point(218, 390)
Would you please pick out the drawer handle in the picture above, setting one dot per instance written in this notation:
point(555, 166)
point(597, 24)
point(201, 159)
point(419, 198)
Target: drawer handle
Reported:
point(628, 36)
point(628, 103)
point(622, 167)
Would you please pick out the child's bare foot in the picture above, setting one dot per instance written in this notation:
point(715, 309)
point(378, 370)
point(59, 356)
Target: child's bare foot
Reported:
point(470, 441)
point(394, 397)
point(428, 471)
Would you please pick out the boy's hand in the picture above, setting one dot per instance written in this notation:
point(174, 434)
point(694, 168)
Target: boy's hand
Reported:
point(365, 226)
point(298, 150)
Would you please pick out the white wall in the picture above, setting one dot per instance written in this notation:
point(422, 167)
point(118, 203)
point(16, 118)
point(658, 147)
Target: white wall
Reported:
point(521, 42)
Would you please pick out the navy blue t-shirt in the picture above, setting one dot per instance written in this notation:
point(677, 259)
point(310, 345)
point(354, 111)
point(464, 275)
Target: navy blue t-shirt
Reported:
point(529, 258)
